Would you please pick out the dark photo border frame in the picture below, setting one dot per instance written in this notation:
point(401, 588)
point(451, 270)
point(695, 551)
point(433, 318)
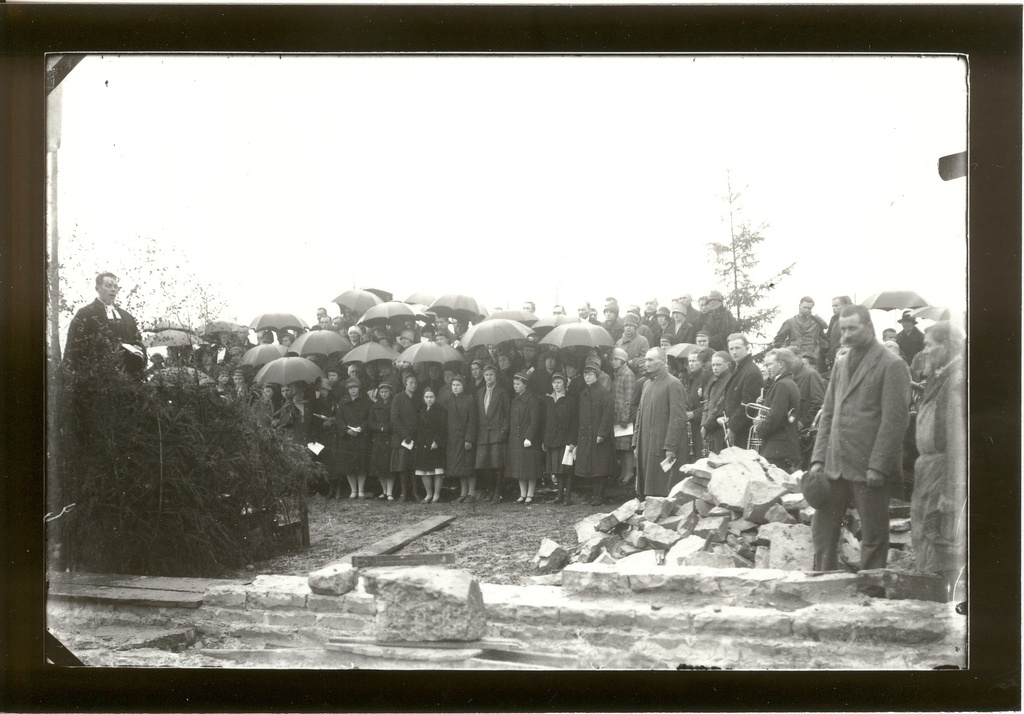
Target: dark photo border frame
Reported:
point(989, 36)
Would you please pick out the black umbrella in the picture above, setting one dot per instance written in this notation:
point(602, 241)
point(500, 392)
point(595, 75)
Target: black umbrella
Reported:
point(894, 300)
point(358, 301)
point(458, 307)
point(278, 321)
point(320, 342)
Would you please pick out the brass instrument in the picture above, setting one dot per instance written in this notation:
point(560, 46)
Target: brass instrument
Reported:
point(760, 411)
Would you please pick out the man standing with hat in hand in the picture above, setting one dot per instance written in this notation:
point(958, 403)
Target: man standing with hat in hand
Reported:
point(860, 442)
point(911, 339)
point(660, 429)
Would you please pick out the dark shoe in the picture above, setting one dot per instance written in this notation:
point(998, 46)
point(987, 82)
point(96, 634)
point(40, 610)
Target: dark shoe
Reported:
point(496, 498)
point(521, 499)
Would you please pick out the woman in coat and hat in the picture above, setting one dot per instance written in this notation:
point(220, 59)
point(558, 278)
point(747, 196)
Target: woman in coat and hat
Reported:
point(524, 458)
point(403, 432)
point(352, 441)
point(560, 431)
point(379, 427)
point(431, 445)
point(595, 450)
point(462, 428)
point(492, 405)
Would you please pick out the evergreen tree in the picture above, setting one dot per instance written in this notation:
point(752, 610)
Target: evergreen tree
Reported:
point(734, 263)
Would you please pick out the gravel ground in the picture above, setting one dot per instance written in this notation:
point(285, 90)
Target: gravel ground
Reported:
point(494, 542)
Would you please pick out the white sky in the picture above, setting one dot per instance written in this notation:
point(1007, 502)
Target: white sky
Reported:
point(556, 179)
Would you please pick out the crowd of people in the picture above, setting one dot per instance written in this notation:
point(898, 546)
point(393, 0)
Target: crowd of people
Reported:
point(826, 398)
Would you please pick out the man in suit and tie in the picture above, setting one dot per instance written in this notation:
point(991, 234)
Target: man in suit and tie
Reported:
point(100, 329)
point(860, 441)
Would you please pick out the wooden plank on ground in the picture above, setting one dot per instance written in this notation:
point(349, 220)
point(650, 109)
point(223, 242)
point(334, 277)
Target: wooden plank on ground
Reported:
point(143, 582)
point(486, 642)
point(125, 596)
point(402, 559)
point(398, 540)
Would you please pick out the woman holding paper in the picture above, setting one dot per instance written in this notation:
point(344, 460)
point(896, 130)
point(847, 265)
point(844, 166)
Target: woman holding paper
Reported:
point(353, 439)
point(403, 431)
point(560, 432)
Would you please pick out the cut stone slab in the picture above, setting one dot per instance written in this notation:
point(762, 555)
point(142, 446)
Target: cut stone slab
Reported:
point(587, 527)
point(426, 604)
point(551, 557)
point(687, 490)
point(659, 536)
point(759, 497)
point(741, 525)
point(699, 469)
point(778, 514)
point(610, 520)
point(729, 483)
point(715, 528)
point(683, 548)
point(791, 546)
point(709, 560)
point(335, 579)
point(656, 508)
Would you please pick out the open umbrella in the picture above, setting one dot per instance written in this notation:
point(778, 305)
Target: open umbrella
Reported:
point(578, 334)
point(287, 370)
point(261, 354)
point(931, 312)
point(458, 307)
point(172, 338)
point(431, 352)
point(358, 301)
point(320, 342)
point(220, 326)
point(180, 377)
point(420, 298)
point(278, 321)
point(547, 324)
point(368, 352)
point(493, 332)
point(894, 300)
point(382, 294)
point(682, 350)
point(386, 313)
point(523, 316)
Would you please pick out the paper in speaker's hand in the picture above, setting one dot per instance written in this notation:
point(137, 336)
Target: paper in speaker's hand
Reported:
point(666, 465)
point(569, 458)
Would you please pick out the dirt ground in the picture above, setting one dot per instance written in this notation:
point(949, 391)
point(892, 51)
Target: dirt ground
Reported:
point(494, 542)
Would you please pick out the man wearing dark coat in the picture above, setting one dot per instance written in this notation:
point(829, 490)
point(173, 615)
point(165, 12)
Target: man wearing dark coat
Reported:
point(745, 385)
point(812, 396)
point(780, 436)
point(910, 339)
point(832, 333)
point(860, 441)
point(101, 328)
point(595, 451)
point(660, 428)
point(492, 408)
point(717, 321)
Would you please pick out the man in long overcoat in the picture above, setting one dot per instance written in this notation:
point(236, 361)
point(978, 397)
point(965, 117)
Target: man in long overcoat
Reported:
point(860, 441)
point(660, 426)
point(745, 385)
point(595, 451)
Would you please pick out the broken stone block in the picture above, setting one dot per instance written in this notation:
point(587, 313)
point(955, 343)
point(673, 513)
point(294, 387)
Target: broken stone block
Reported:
point(715, 528)
point(687, 490)
point(793, 502)
point(849, 549)
point(599, 542)
point(659, 536)
point(703, 507)
point(426, 604)
point(686, 527)
point(789, 481)
point(635, 538)
point(778, 514)
point(739, 525)
point(806, 514)
point(791, 546)
point(336, 579)
point(672, 522)
point(738, 561)
point(621, 549)
point(740, 546)
point(720, 511)
point(620, 514)
point(905, 586)
point(551, 556)
point(633, 521)
point(729, 483)
point(587, 527)
point(899, 525)
point(731, 455)
point(656, 508)
point(710, 560)
point(605, 558)
point(760, 496)
point(643, 559)
point(900, 540)
point(682, 548)
point(898, 508)
point(762, 557)
point(852, 521)
point(699, 469)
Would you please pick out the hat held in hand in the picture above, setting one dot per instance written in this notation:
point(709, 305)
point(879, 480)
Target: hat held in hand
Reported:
point(816, 488)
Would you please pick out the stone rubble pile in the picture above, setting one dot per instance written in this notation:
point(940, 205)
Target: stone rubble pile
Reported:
point(731, 510)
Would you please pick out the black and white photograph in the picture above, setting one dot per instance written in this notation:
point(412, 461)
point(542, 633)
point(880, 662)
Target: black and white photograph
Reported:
point(507, 361)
